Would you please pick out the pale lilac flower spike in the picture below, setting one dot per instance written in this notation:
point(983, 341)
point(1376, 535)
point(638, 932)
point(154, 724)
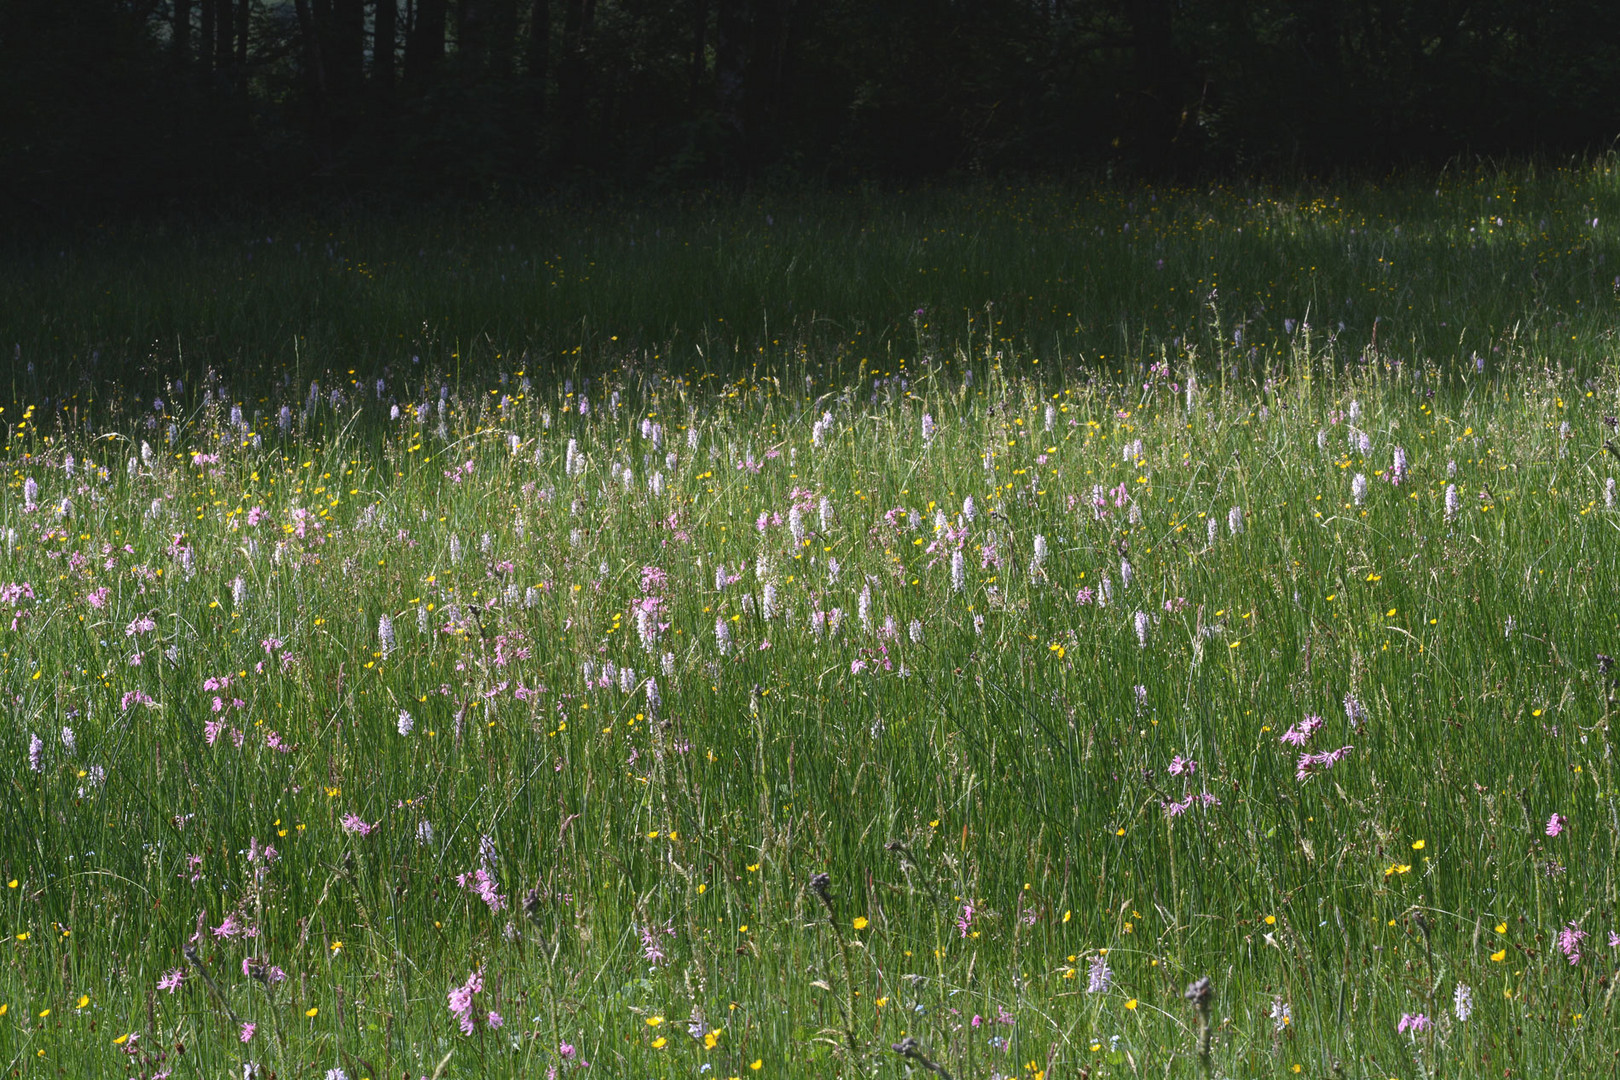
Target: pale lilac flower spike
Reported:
point(1098, 977)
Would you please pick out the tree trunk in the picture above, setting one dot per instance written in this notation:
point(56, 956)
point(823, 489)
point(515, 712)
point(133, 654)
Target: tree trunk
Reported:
point(424, 48)
point(181, 35)
point(472, 35)
point(205, 44)
point(571, 78)
point(314, 67)
point(730, 63)
point(224, 37)
point(385, 30)
point(242, 14)
point(1155, 71)
point(502, 30)
point(344, 47)
point(538, 62)
point(699, 60)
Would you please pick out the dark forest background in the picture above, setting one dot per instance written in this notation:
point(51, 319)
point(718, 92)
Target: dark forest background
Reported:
point(182, 103)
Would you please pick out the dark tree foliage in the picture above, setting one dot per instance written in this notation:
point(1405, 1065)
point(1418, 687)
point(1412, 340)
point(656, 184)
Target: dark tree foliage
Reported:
point(157, 102)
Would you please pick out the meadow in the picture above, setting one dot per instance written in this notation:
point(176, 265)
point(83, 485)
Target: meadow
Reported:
point(454, 666)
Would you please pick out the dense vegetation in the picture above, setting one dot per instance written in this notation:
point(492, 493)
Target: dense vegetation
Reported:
point(185, 104)
point(909, 671)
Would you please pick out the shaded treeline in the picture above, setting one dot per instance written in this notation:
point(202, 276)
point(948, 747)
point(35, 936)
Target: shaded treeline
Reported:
point(147, 101)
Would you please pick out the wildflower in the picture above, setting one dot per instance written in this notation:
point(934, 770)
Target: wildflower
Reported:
point(1142, 623)
point(965, 920)
point(969, 511)
point(1413, 1023)
point(1397, 471)
point(385, 634)
point(1234, 520)
point(171, 980)
point(1098, 976)
point(927, 428)
point(1127, 573)
point(958, 571)
point(248, 1028)
point(1212, 531)
point(722, 636)
point(1358, 488)
point(1309, 763)
point(1453, 502)
point(460, 1000)
point(36, 752)
point(1300, 734)
point(481, 883)
point(68, 739)
point(650, 950)
point(1608, 493)
point(356, 825)
point(1569, 942)
point(406, 722)
point(1555, 824)
point(229, 928)
point(1182, 766)
point(863, 607)
point(1281, 1014)
point(1040, 551)
point(1354, 711)
point(1321, 439)
point(1462, 1002)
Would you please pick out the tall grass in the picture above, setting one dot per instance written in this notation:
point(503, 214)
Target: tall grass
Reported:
point(1014, 775)
point(1099, 276)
